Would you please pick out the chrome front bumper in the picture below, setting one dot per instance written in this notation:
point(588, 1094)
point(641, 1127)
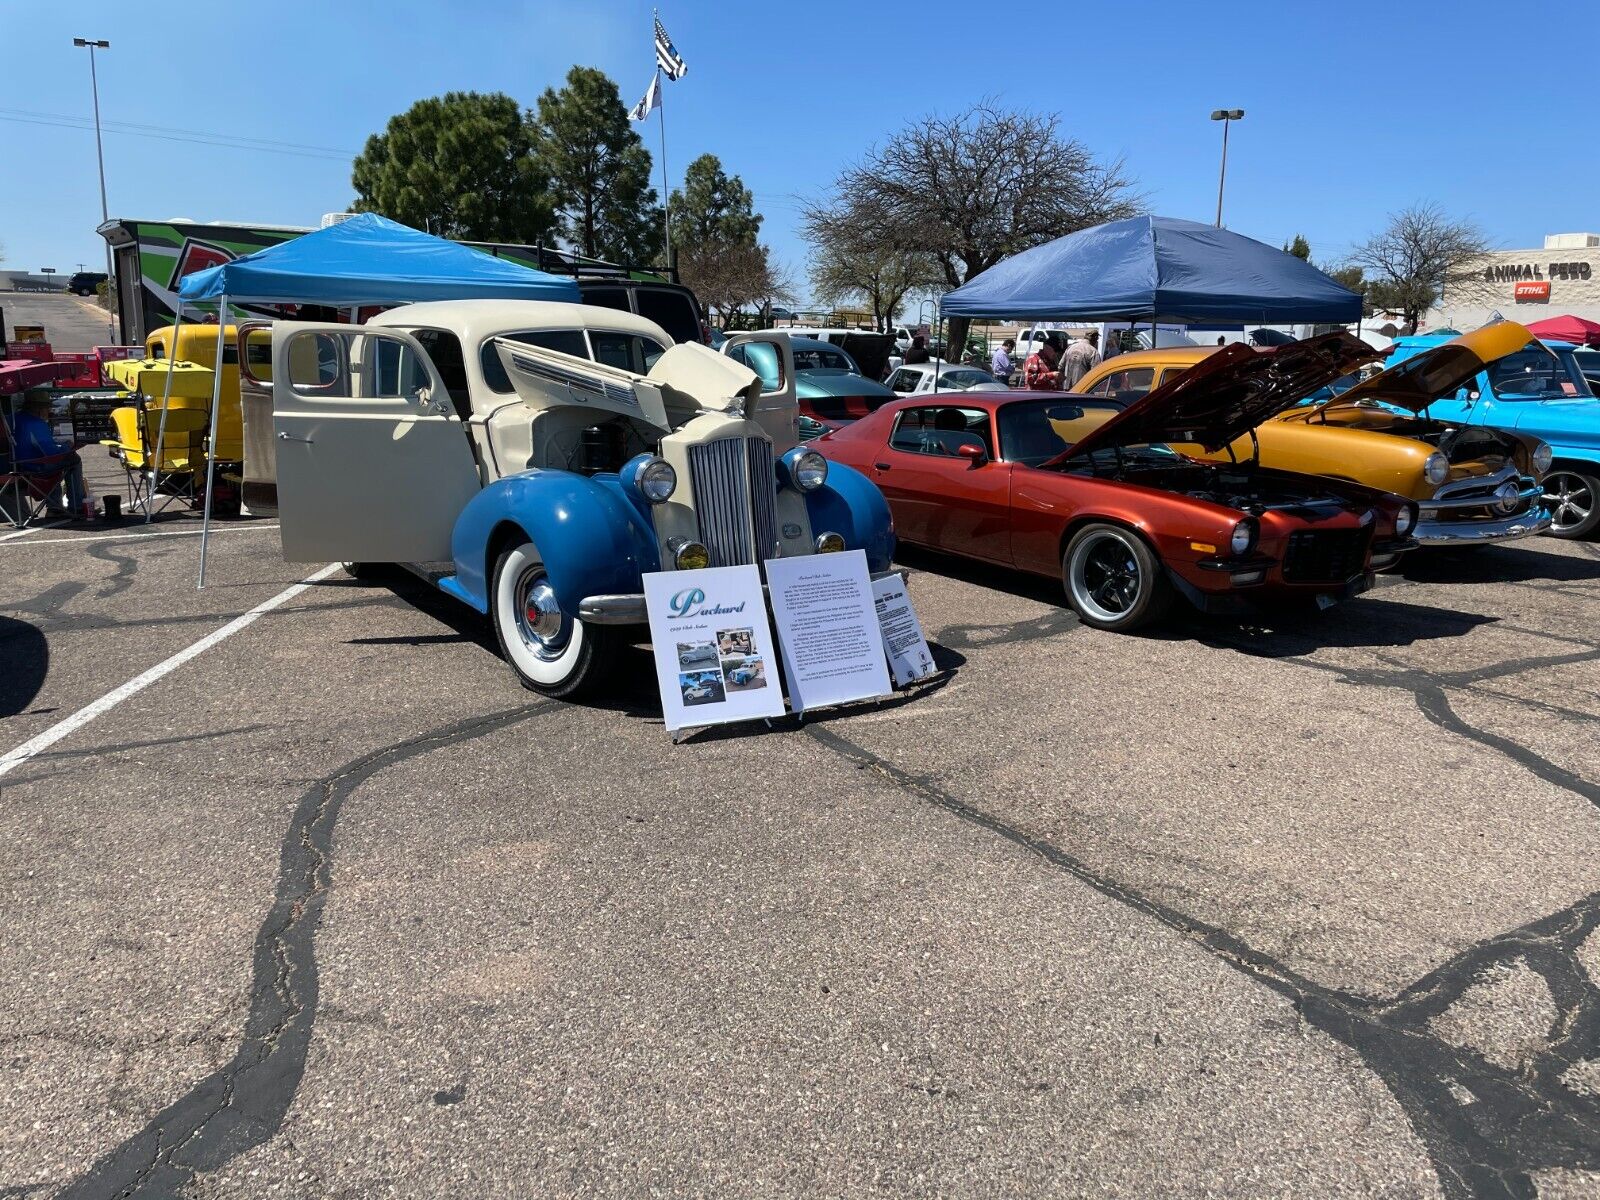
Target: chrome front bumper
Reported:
point(629, 609)
point(1471, 533)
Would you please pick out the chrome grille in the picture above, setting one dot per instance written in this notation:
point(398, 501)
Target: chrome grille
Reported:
point(736, 526)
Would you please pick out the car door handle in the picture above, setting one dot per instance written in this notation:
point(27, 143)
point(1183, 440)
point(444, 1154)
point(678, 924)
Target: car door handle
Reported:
point(284, 437)
point(880, 466)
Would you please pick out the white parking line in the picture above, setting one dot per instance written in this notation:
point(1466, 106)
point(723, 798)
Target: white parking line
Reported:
point(17, 533)
point(15, 758)
point(129, 537)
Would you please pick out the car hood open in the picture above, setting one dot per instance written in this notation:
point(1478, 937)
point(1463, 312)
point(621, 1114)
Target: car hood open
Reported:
point(1434, 374)
point(1226, 394)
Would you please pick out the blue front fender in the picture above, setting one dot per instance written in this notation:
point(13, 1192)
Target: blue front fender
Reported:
point(594, 541)
point(851, 504)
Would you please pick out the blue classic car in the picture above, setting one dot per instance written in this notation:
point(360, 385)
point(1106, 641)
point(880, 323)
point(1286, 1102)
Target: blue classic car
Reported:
point(536, 460)
point(1541, 392)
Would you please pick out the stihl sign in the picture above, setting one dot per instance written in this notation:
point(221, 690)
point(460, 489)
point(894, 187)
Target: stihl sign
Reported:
point(1532, 291)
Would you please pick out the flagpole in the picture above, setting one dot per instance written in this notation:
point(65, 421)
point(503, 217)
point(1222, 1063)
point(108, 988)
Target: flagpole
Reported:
point(666, 195)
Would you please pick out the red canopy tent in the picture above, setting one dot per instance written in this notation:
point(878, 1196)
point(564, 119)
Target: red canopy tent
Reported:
point(1569, 328)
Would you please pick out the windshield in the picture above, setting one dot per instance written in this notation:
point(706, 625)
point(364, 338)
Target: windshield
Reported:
point(1032, 432)
point(1538, 372)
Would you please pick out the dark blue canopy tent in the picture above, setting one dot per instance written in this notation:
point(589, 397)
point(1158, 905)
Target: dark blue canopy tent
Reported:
point(366, 260)
point(1156, 269)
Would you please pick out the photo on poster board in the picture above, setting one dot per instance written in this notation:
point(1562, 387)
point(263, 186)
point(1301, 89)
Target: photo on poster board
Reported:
point(828, 629)
point(712, 643)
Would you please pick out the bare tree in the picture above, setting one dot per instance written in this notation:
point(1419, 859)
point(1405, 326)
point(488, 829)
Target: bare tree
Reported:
point(1414, 256)
point(847, 266)
point(728, 276)
point(971, 189)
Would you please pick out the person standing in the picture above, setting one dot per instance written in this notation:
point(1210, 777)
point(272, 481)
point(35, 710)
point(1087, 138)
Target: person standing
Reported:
point(1041, 372)
point(918, 353)
point(1082, 357)
point(1000, 365)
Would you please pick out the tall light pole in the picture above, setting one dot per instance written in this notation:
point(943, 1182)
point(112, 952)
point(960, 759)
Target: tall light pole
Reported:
point(100, 155)
point(1227, 116)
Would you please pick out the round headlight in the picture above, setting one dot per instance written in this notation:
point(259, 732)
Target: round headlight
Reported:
point(657, 480)
point(689, 556)
point(1405, 519)
point(1244, 537)
point(1437, 469)
point(1543, 456)
point(830, 543)
point(809, 471)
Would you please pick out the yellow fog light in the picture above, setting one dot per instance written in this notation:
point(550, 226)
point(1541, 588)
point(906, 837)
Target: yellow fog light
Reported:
point(830, 543)
point(689, 556)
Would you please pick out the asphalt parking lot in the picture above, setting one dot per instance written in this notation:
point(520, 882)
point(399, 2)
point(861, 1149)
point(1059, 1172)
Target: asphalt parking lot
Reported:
point(333, 908)
point(73, 324)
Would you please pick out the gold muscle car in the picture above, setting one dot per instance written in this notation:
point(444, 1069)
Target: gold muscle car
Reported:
point(1472, 484)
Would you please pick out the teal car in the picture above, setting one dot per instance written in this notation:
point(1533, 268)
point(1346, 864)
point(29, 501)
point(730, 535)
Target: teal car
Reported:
point(1539, 391)
point(830, 387)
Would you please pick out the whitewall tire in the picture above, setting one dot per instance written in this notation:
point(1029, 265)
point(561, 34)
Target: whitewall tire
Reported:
point(552, 654)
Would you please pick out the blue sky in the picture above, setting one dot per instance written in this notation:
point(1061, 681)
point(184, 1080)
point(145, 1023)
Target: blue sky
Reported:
point(1353, 110)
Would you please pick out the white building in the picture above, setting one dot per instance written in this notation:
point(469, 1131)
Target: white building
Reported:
point(1525, 285)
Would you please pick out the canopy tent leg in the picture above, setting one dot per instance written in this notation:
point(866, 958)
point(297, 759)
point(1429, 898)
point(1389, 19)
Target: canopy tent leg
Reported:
point(211, 444)
point(166, 402)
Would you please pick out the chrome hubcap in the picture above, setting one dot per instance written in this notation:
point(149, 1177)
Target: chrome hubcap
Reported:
point(540, 622)
point(1569, 499)
point(1106, 579)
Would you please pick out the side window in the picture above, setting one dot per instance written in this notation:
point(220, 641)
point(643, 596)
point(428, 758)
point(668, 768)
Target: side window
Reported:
point(389, 369)
point(939, 431)
point(608, 297)
point(1170, 374)
point(355, 365)
point(904, 381)
point(563, 341)
point(1126, 386)
point(763, 358)
point(737, 354)
point(628, 351)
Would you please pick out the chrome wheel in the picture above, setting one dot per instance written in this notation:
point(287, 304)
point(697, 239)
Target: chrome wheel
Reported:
point(1571, 499)
point(1105, 577)
point(541, 625)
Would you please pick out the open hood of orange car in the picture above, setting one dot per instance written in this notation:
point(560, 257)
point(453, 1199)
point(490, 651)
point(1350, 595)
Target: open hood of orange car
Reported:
point(1442, 371)
point(1228, 393)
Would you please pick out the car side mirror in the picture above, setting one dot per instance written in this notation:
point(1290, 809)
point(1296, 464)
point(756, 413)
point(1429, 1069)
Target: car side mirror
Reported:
point(975, 454)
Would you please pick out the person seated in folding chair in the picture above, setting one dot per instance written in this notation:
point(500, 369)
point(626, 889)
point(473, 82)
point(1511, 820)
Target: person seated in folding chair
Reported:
point(48, 463)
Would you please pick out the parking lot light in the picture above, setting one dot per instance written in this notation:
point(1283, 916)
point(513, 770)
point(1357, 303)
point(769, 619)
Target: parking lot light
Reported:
point(93, 44)
point(1227, 116)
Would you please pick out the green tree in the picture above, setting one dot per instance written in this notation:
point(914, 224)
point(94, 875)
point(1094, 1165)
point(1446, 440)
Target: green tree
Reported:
point(459, 165)
point(716, 230)
point(599, 170)
point(1300, 248)
point(1355, 279)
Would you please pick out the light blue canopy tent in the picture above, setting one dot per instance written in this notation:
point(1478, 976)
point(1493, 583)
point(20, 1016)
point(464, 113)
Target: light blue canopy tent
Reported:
point(371, 260)
point(367, 260)
point(1156, 269)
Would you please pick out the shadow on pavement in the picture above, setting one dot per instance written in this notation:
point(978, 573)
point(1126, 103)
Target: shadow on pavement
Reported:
point(1516, 563)
point(24, 663)
point(1288, 633)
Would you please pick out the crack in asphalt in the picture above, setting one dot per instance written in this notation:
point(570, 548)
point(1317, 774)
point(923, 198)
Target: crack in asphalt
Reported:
point(1515, 1122)
point(242, 1104)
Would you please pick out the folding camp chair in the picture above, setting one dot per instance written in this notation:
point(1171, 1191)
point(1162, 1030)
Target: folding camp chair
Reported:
point(27, 486)
point(175, 479)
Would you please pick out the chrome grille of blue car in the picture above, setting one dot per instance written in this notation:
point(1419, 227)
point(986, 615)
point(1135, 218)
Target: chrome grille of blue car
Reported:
point(735, 499)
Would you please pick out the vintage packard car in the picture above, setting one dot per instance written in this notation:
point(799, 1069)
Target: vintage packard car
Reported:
point(1472, 485)
point(535, 460)
point(1092, 493)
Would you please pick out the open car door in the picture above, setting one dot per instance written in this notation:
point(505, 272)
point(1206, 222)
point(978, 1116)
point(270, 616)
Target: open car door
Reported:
point(373, 464)
point(768, 353)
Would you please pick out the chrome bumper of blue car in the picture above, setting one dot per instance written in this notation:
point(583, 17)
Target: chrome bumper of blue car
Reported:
point(630, 610)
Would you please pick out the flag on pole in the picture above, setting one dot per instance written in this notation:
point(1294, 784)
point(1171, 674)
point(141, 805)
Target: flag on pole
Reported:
point(650, 101)
point(667, 55)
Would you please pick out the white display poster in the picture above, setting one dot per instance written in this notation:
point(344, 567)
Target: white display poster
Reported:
point(903, 643)
point(827, 629)
point(713, 646)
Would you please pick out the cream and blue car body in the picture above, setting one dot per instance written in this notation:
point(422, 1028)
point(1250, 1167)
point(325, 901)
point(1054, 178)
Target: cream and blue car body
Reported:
point(536, 460)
